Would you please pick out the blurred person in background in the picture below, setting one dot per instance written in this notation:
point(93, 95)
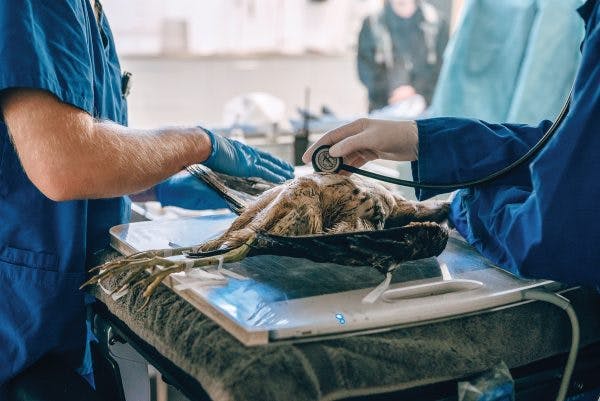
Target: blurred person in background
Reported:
point(400, 52)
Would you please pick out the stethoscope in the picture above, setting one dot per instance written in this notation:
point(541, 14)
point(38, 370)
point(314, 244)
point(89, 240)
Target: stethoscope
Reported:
point(322, 161)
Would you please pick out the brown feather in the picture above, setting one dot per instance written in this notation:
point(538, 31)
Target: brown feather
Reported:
point(326, 203)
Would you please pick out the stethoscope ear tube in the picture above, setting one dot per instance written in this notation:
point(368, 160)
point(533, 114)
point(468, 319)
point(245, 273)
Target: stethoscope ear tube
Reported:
point(322, 161)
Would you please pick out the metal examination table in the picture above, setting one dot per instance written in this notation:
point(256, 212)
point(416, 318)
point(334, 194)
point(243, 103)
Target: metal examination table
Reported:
point(422, 362)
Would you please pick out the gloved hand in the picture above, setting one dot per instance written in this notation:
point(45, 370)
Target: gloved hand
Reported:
point(234, 158)
point(367, 139)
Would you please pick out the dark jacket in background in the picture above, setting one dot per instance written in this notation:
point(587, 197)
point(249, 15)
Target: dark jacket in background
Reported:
point(395, 51)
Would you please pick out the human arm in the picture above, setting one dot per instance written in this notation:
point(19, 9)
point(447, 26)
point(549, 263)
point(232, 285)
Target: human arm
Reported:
point(365, 139)
point(69, 155)
point(548, 229)
point(453, 149)
point(70, 66)
point(457, 150)
point(534, 224)
point(540, 220)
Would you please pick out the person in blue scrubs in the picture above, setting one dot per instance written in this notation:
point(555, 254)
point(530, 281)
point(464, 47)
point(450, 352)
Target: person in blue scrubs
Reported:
point(66, 160)
point(540, 220)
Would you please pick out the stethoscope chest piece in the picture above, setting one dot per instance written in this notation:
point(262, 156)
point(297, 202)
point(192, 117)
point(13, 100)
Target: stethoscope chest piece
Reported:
point(323, 162)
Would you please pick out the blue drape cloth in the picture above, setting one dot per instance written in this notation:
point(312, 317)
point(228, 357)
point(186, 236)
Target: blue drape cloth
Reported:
point(510, 61)
point(186, 191)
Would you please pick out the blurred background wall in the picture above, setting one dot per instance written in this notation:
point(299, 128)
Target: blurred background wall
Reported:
point(189, 57)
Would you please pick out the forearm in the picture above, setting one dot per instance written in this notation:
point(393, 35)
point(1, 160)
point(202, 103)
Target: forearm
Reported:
point(120, 160)
point(68, 155)
point(455, 150)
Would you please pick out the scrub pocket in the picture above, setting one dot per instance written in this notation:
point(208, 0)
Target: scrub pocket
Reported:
point(29, 259)
point(42, 309)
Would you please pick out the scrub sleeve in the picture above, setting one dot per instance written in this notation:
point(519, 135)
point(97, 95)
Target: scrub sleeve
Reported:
point(58, 47)
point(540, 220)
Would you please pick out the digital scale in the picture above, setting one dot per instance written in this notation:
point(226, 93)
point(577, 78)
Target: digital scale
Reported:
point(273, 298)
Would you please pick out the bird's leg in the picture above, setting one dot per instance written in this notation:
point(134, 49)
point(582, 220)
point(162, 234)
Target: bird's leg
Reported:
point(128, 266)
point(135, 268)
point(151, 282)
point(140, 261)
point(132, 263)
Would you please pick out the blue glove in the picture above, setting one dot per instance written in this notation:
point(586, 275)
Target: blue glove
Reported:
point(186, 191)
point(234, 158)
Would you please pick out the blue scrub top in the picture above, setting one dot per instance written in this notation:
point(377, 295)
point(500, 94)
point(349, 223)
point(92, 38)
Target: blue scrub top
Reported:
point(56, 46)
point(540, 220)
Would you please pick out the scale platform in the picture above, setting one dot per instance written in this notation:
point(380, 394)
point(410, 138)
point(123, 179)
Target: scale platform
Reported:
point(274, 298)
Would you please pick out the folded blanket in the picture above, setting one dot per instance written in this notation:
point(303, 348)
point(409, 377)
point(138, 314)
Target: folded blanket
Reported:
point(351, 366)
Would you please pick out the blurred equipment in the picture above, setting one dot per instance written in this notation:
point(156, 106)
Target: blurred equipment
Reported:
point(262, 111)
point(301, 137)
point(174, 35)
